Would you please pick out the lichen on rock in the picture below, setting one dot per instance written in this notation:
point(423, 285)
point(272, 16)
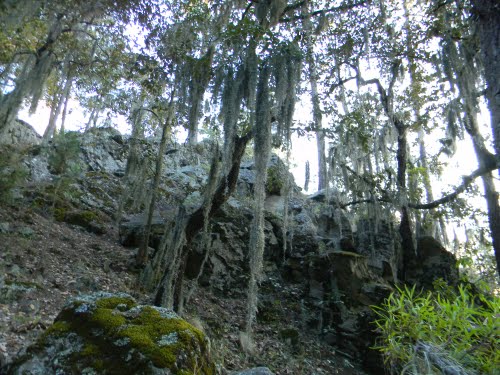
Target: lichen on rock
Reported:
point(106, 333)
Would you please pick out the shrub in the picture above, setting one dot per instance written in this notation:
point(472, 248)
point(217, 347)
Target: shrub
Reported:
point(440, 331)
point(12, 173)
point(63, 158)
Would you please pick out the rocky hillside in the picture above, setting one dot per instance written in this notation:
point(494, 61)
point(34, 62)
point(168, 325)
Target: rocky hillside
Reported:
point(70, 224)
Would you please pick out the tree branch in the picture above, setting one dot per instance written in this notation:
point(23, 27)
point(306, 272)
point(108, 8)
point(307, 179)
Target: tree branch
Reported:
point(467, 181)
point(320, 12)
point(340, 83)
point(298, 4)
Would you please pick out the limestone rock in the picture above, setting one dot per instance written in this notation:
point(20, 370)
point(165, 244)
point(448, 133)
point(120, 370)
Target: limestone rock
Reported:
point(379, 242)
point(87, 219)
point(38, 165)
point(340, 288)
point(277, 175)
point(432, 262)
point(102, 152)
point(254, 371)
point(132, 227)
point(106, 333)
point(19, 132)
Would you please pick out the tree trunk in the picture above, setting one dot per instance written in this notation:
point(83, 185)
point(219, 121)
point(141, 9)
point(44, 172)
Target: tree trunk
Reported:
point(427, 221)
point(198, 85)
point(262, 151)
point(94, 116)
point(66, 97)
point(31, 80)
point(193, 225)
point(54, 111)
point(490, 194)
point(142, 254)
point(59, 100)
point(10, 103)
point(465, 82)
point(405, 229)
point(487, 18)
point(488, 22)
point(317, 113)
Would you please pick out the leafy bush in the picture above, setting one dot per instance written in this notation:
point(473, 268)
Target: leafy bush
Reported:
point(12, 173)
point(440, 331)
point(63, 159)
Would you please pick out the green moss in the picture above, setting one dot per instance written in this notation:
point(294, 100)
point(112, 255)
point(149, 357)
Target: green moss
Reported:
point(25, 284)
point(115, 302)
point(87, 219)
point(90, 350)
point(60, 214)
point(151, 318)
point(107, 319)
point(164, 357)
point(165, 342)
point(98, 364)
point(149, 327)
point(274, 182)
point(139, 337)
point(57, 329)
point(82, 218)
point(97, 175)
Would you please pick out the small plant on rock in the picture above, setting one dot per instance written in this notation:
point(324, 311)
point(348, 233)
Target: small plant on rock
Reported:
point(436, 332)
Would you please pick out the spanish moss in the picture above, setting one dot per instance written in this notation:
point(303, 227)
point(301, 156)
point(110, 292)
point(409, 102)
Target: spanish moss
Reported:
point(262, 150)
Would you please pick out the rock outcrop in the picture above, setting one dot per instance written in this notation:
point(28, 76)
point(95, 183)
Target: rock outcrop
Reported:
point(254, 371)
point(331, 266)
point(19, 132)
point(107, 333)
point(432, 262)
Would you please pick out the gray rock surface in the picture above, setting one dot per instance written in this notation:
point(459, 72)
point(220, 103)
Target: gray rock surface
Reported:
point(254, 371)
point(19, 132)
point(102, 152)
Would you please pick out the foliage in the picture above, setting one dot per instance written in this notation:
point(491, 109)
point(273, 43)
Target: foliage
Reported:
point(63, 157)
point(461, 327)
point(12, 173)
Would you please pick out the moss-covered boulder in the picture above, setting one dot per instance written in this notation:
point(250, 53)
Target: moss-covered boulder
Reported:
point(106, 333)
point(87, 219)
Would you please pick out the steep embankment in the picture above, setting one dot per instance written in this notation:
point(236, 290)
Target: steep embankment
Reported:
point(59, 238)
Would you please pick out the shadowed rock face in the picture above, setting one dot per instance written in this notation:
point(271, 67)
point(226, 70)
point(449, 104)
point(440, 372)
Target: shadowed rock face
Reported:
point(341, 287)
point(106, 333)
point(432, 262)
